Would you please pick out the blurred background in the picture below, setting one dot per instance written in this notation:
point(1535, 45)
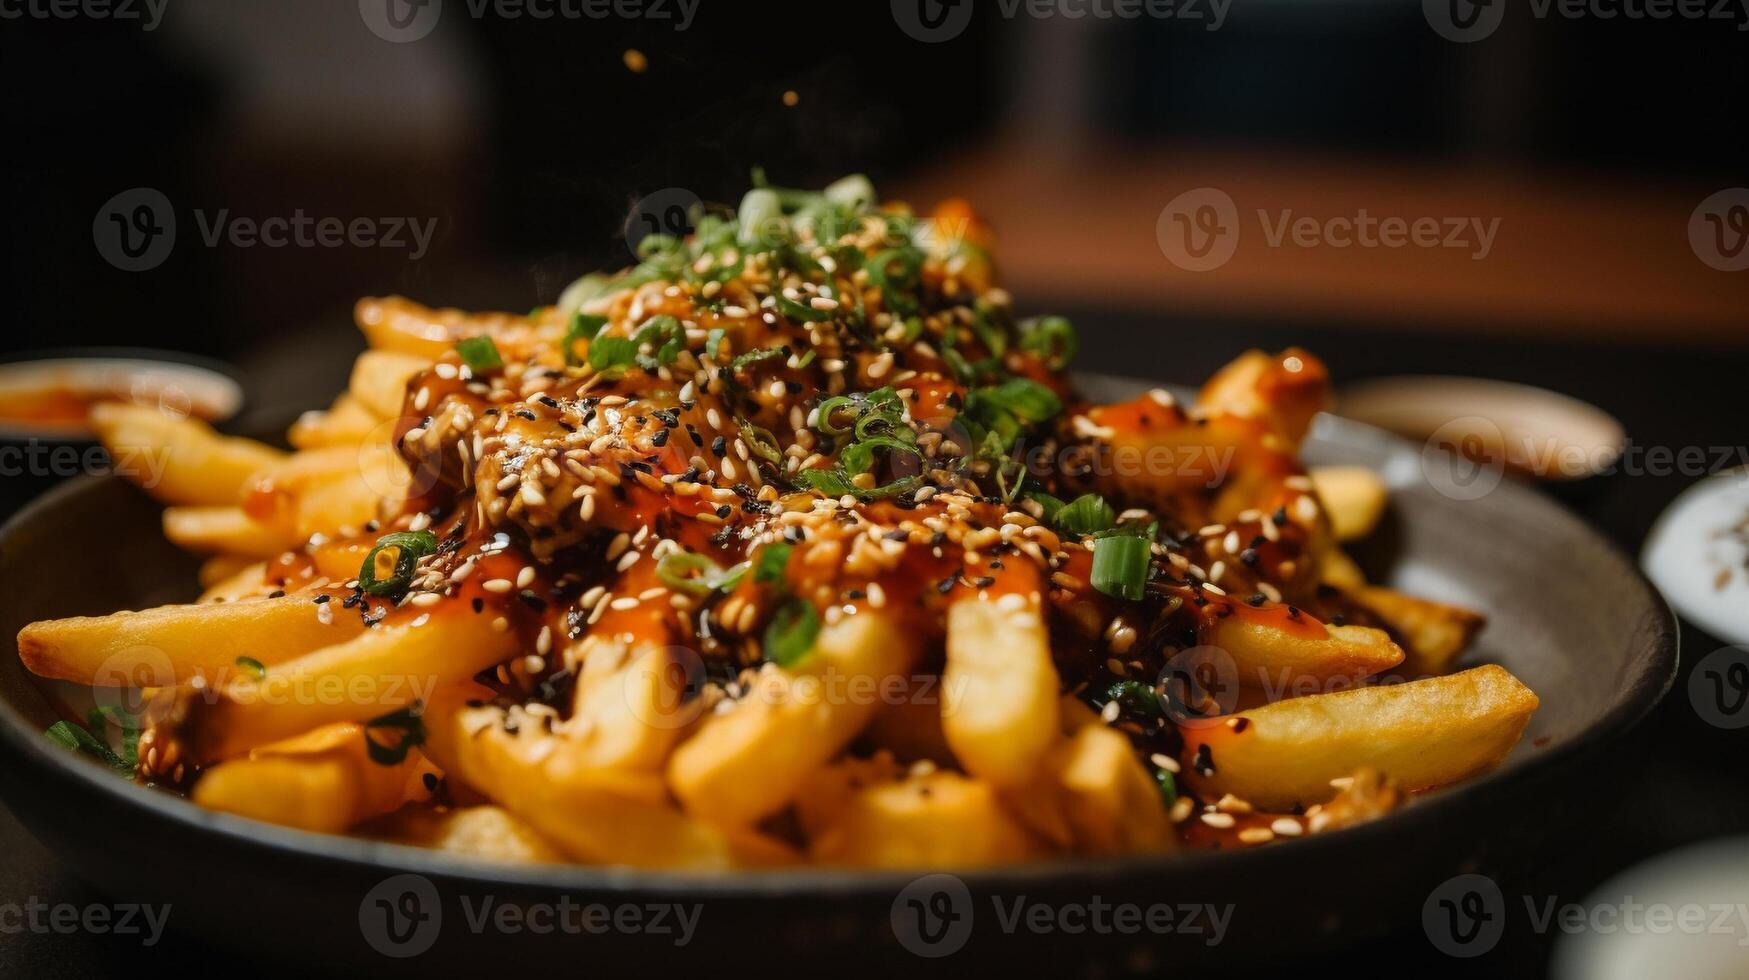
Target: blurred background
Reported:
point(1578, 170)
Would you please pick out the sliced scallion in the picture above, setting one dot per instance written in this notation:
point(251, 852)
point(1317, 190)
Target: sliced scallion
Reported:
point(1120, 566)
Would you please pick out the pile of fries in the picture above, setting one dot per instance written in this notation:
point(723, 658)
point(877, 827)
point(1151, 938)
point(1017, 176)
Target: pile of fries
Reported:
point(790, 544)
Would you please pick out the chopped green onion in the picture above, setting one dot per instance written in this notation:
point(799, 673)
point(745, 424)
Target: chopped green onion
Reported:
point(691, 572)
point(1120, 566)
point(480, 354)
point(388, 569)
point(1137, 700)
point(760, 218)
point(582, 291)
point(853, 192)
point(406, 721)
point(1168, 787)
point(254, 668)
point(1026, 400)
point(1052, 337)
point(664, 335)
point(800, 311)
point(790, 635)
point(749, 358)
point(611, 355)
point(773, 559)
point(1086, 514)
point(833, 483)
point(760, 441)
point(72, 737)
point(1050, 505)
point(584, 326)
point(713, 341)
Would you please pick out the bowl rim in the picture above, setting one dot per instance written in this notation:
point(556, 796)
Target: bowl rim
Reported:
point(1638, 700)
point(230, 375)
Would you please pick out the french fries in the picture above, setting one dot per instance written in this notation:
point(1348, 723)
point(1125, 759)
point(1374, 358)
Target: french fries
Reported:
point(595, 815)
point(323, 781)
point(372, 674)
point(749, 762)
point(379, 380)
point(175, 644)
point(226, 530)
point(999, 690)
point(179, 460)
point(1422, 734)
point(1353, 496)
point(729, 565)
point(1265, 654)
point(938, 820)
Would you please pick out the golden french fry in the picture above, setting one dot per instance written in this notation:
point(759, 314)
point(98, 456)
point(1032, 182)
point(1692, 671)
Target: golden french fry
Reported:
point(1283, 390)
point(372, 674)
point(226, 529)
point(938, 820)
point(999, 689)
point(1341, 571)
point(601, 816)
point(380, 378)
point(1112, 804)
point(749, 762)
point(1273, 652)
point(394, 323)
point(181, 641)
point(323, 781)
point(221, 569)
point(1434, 634)
point(247, 582)
point(1354, 498)
point(345, 423)
point(1422, 734)
point(179, 460)
point(630, 698)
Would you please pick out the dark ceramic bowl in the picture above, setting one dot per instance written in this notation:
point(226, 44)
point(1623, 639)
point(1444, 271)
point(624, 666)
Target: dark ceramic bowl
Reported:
point(1568, 615)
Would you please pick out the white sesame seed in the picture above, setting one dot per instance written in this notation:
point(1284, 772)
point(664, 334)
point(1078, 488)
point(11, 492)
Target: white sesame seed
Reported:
point(497, 585)
point(1286, 827)
point(1219, 821)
